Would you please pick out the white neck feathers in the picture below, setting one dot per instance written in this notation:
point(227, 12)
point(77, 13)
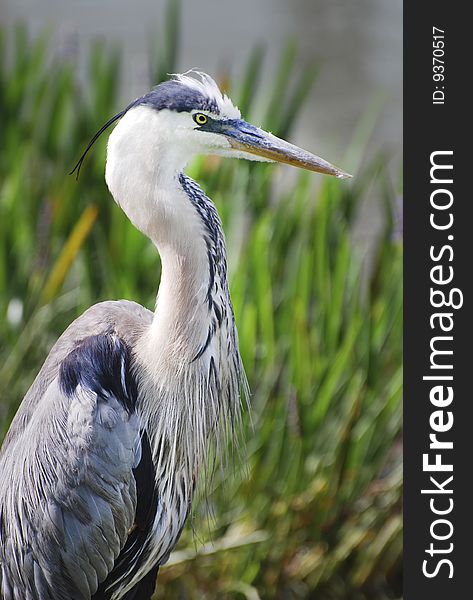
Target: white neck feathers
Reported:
point(190, 353)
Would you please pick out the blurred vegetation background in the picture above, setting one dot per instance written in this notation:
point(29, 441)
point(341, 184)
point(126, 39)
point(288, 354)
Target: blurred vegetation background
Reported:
point(313, 509)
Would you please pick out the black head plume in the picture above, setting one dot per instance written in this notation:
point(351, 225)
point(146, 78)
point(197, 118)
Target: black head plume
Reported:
point(94, 139)
point(173, 95)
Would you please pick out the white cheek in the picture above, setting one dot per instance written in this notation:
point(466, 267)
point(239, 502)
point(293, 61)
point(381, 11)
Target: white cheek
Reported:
point(211, 143)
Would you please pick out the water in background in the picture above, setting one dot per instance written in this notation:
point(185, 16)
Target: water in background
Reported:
point(358, 44)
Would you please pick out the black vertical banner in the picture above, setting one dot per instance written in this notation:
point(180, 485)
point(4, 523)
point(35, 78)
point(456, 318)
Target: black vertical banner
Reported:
point(438, 403)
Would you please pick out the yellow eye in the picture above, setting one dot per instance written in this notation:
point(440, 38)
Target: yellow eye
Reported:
point(200, 118)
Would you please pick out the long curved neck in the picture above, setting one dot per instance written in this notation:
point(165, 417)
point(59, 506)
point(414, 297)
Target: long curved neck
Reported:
point(193, 291)
point(144, 175)
point(191, 389)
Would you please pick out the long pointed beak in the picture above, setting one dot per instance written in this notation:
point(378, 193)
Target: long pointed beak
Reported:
point(249, 139)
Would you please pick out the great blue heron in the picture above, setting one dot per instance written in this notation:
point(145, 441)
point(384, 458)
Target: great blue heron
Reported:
point(100, 463)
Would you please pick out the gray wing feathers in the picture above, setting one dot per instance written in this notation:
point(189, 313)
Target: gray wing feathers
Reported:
point(68, 511)
point(127, 319)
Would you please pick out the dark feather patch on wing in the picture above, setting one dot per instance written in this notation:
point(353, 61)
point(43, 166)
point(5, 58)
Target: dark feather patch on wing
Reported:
point(100, 363)
point(145, 588)
point(130, 557)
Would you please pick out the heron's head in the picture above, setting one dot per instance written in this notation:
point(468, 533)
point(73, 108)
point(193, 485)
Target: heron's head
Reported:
point(189, 115)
